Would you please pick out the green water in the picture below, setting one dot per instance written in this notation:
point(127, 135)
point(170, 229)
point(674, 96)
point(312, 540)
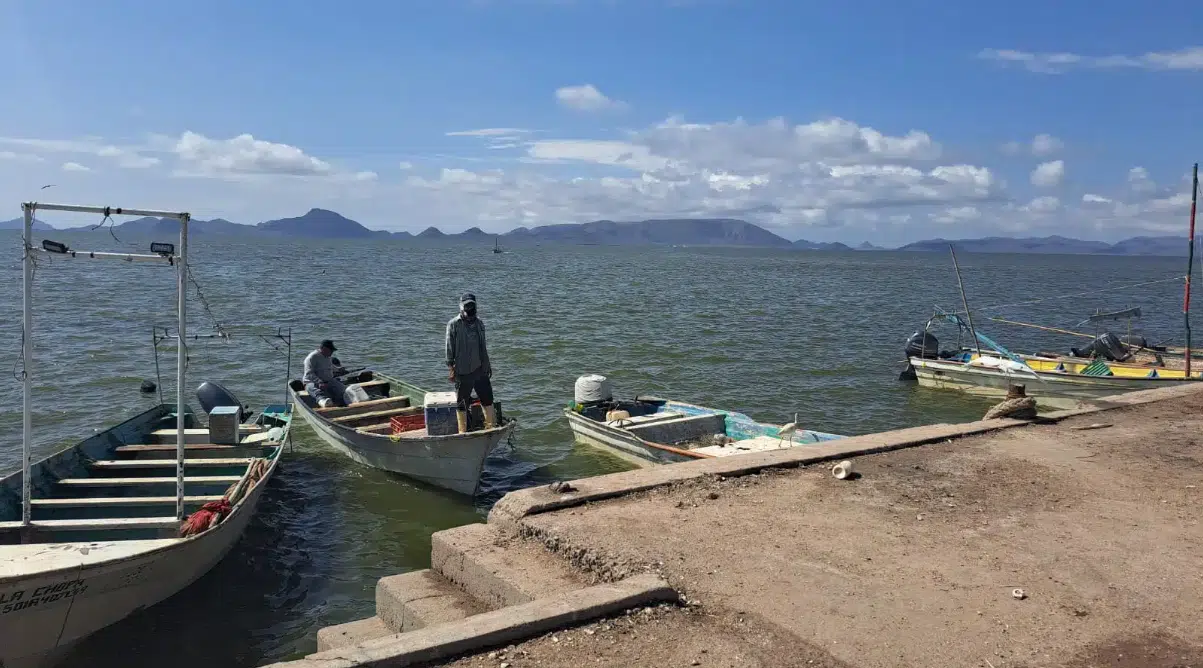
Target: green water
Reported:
point(768, 333)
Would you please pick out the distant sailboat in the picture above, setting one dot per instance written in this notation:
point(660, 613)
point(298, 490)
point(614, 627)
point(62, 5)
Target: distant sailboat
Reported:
point(497, 245)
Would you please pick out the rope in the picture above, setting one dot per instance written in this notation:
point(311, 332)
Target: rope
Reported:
point(212, 513)
point(1081, 294)
point(205, 305)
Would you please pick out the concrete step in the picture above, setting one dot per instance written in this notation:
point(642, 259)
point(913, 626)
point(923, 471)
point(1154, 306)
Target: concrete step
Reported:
point(415, 600)
point(351, 633)
point(497, 570)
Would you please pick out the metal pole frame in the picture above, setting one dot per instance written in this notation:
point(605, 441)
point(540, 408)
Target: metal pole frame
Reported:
point(1190, 263)
point(29, 208)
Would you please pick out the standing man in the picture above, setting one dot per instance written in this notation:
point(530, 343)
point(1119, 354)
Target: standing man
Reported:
point(319, 378)
point(468, 363)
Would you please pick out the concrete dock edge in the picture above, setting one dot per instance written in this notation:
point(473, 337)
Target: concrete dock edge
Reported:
point(496, 628)
point(507, 513)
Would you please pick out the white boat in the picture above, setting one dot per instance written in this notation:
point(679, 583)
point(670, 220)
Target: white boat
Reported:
point(648, 431)
point(365, 433)
point(104, 540)
point(93, 533)
point(1056, 382)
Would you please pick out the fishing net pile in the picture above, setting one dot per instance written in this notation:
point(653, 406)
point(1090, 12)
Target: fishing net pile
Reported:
point(212, 513)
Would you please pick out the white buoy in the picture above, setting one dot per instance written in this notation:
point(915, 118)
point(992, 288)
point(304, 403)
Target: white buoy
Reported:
point(842, 471)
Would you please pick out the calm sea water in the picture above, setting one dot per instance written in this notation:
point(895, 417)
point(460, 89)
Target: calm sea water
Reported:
point(769, 333)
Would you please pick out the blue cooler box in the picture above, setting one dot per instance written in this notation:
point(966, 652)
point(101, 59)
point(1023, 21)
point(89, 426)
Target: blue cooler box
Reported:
point(440, 414)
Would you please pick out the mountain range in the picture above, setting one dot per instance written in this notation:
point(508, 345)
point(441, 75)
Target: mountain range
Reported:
point(325, 224)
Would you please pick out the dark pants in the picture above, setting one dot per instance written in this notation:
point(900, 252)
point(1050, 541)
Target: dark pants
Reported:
point(477, 380)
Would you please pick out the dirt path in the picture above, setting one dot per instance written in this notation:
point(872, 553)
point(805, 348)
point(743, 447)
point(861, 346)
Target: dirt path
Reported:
point(915, 562)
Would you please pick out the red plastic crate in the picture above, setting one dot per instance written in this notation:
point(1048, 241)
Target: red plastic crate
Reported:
point(403, 423)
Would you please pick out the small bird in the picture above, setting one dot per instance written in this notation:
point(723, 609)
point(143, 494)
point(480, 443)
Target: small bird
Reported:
point(788, 430)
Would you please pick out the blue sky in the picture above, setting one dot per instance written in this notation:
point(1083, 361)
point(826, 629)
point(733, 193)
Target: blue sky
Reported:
point(868, 120)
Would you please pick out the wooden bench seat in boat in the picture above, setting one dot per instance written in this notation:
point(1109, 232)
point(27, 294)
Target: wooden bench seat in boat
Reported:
point(372, 417)
point(646, 419)
point(189, 447)
point(125, 482)
point(105, 524)
point(363, 407)
point(115, 501)
point(109, 464)
point(681, 429)
point(368, 386)
point(198, 435)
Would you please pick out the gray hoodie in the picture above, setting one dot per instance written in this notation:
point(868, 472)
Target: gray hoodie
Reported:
point(466, 350)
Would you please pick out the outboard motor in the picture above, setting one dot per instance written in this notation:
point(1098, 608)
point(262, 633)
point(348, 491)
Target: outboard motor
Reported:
point(211, 395)
point(1134, 341)
point(592, 390)
point(1106, 345)
point(924, 345)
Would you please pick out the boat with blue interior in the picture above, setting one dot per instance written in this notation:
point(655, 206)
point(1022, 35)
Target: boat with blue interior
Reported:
point(647, 430)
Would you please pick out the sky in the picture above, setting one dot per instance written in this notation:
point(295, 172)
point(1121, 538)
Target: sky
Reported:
point(870, 121)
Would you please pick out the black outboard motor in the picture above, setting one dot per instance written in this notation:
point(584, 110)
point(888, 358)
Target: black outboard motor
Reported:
point(924, 345)
point(211, 395)
point(1106, 345)
point(1134, 341)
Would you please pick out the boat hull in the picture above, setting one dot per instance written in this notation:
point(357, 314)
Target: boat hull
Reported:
point(629, 447)
point(623, 444)
point(42, 615)
point(1053, 389)
point(449, 462)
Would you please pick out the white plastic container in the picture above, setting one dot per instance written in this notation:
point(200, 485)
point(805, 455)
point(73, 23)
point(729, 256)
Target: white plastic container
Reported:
point(440, 413)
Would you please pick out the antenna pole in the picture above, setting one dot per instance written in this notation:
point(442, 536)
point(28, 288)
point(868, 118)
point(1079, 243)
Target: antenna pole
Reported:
point(1190, 262)
point(181, 368)
point(964, 300)
point(27, 370)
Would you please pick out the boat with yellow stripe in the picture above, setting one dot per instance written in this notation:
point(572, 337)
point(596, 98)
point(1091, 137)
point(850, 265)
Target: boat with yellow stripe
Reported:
point(1057, 382)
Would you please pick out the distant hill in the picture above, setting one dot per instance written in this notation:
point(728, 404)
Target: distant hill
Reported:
point(326, 224)
point(1171, 246)
point(677, 231)
point(320, 224)
point(1053, 244)
point(803, 244)
point(19, 224)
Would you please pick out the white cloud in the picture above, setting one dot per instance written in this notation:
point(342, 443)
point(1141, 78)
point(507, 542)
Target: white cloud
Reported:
point(405, 165)
point(1189, 58)
point(1139, 181)
point(75, 167)
point(1044, 144)
point(245, 155)
point(124, 156)
point(489, 132)
point(1042, 205)
point(1048, 174)
point(958, 215)
point(1091, 198)
point(1041, 145)
point(586, 97)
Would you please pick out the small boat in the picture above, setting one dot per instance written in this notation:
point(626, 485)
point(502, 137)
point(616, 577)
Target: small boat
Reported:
point(497, 245)
point(1057, 382)
point(105, 540)
point(98, 531)
point(370, 432)
point(648, 430)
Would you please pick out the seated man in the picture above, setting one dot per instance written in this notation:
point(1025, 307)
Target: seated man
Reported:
point(319, 378)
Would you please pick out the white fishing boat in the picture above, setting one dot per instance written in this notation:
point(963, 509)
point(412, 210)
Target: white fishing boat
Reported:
point(647, 431)
point(387, 431)
point(94, 533)
point(989, 370)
